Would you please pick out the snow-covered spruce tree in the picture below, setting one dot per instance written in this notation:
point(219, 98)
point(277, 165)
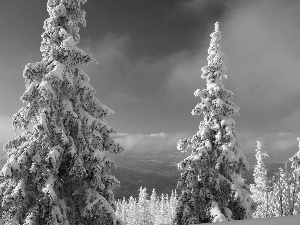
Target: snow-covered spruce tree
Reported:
point(58, 173)
point(260, 190)
point(211, 186)
point(296, 161)
point(260, 171)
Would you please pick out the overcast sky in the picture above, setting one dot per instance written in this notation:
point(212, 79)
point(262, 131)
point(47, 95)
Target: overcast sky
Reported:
point(151, 53)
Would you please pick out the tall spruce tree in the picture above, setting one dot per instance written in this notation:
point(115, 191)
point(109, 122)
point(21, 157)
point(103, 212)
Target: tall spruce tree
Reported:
point(212, 189)
point(58, 173)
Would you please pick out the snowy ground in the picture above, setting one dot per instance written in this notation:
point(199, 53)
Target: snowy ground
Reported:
point(285, 220)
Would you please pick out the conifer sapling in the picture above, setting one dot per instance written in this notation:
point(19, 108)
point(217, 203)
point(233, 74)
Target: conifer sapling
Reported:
point(260, 189)
point(212, 189)
point(260, 171)
point(58, 173)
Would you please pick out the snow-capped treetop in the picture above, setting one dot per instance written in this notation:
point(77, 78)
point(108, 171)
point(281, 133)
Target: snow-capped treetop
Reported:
point(216, 56)
point(217, 26)
point(260, 153)
point(62, 33)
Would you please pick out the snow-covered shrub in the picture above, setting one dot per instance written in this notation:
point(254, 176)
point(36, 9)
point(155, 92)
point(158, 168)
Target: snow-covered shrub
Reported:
point(58, 173)
point(211, 183)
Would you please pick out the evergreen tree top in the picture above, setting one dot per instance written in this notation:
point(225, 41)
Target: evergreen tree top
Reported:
point(217, 26)
point(216, 58)
point(260, 150)
point(61, 33)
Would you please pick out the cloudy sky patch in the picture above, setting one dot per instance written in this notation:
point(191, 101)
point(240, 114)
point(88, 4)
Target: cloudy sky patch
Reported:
point(151, 54)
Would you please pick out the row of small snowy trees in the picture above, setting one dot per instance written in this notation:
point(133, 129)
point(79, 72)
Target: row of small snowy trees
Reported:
point(153, 210)
point(279, 195)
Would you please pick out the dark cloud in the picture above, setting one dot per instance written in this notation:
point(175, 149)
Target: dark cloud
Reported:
point(151, 60)
point(260, 42)
point(118, 71)
point(204, 8)
point(290, 122)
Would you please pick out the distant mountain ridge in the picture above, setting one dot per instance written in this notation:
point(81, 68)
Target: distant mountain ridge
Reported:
point(160, 172)
point(156, 171)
